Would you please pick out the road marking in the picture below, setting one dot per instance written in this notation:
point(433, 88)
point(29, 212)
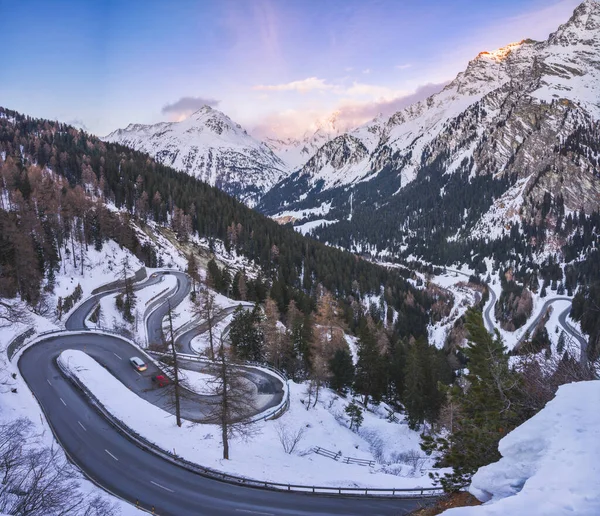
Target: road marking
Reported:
point(117, 356)
point(111, 455)
point(63, 402)
point(162, 487)
point(81, 425)
point(48, 381)
point(255, 512)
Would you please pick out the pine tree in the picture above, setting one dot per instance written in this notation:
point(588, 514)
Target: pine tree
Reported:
point(371, 374)
point(342, 371)
point(560, 346)
point(354, 412)
point(414, 387)
point(245, 334)
point(488, 405)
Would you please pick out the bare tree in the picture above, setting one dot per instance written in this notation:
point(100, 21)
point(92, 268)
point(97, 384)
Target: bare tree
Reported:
point(277, 343)
point(175, 366)
point(206, 308)
point(289, 438)
point(38, 481)
point(232, 401)
point(170, 363)
point(192, 269)
point(12, 312)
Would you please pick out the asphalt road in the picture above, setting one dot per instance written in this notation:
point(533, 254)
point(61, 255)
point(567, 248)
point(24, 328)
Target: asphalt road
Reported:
point(183, 341)
point(124, 469)
point(487, 314)
point(154, 321)
point(562, 319)
point(76, 321)
point(121, 467)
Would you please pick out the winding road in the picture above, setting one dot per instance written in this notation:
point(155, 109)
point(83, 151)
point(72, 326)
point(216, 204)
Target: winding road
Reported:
point(490, 325)
point(562, 319)
point(116, 463)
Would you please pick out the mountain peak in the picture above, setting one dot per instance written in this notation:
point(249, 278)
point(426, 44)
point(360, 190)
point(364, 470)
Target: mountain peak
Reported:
point(582, 28)
point(501, 53)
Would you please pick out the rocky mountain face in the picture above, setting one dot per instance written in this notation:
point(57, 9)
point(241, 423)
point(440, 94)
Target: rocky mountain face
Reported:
point(211, 147)
point(525, 114)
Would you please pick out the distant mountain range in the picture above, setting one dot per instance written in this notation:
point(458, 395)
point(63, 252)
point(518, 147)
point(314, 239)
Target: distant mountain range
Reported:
point(519, 123)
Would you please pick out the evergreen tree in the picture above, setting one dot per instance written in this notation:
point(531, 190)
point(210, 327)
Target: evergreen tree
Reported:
point(488, 405)
point(342, 371)
point(560, 346)
point(371, 375)
point(245, 334)
point(354, 412)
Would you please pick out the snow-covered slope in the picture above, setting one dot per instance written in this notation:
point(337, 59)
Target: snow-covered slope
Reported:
point(295, 152)
point(210, 146)
point(550, 464)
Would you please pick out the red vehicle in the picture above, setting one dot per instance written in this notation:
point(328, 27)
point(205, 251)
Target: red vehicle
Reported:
point(161, 380)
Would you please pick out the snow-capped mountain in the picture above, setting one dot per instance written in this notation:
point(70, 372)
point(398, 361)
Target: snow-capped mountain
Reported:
point(515, 112)
point(295, 152)
point(210, 146)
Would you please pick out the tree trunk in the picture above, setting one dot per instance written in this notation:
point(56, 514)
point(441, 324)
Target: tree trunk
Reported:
point(175, 369)
point(225, 401)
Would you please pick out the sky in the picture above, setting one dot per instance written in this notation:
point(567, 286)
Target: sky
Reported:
point(277, 67)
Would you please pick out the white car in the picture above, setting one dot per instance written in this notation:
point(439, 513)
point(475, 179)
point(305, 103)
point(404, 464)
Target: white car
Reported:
point(138, 364)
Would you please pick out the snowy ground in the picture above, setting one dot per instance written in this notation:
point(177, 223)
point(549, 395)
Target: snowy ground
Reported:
point(464, 297)
point(201, 343)
point(262, 456)
point(200, 383)
point(550, 464)
point(308, 227)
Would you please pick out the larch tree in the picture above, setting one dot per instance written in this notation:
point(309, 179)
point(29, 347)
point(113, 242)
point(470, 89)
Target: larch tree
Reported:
point(276, 342)
point(207, 310)
point(232, 400)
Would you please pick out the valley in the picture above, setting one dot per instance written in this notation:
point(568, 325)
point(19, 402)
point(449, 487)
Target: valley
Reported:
point(379, 294)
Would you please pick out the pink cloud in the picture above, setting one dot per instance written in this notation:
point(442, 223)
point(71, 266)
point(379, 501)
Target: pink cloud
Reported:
point(304, 85)
point(293, 123)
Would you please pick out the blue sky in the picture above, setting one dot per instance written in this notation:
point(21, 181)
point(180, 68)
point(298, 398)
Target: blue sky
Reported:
point(275, 66)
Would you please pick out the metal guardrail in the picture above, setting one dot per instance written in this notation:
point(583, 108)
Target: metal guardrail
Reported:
point(18, 342)
point(139, 275)
point(142, 442)
point(274, 413)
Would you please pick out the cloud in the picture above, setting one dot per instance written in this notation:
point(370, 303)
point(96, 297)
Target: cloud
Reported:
point(349, 114)
point(372, 91)
point(367, 71)
point(303, 86)
point(185, 106)
point(403, 66)
point(352, 114)
point(357, 89)
point(78, 124)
